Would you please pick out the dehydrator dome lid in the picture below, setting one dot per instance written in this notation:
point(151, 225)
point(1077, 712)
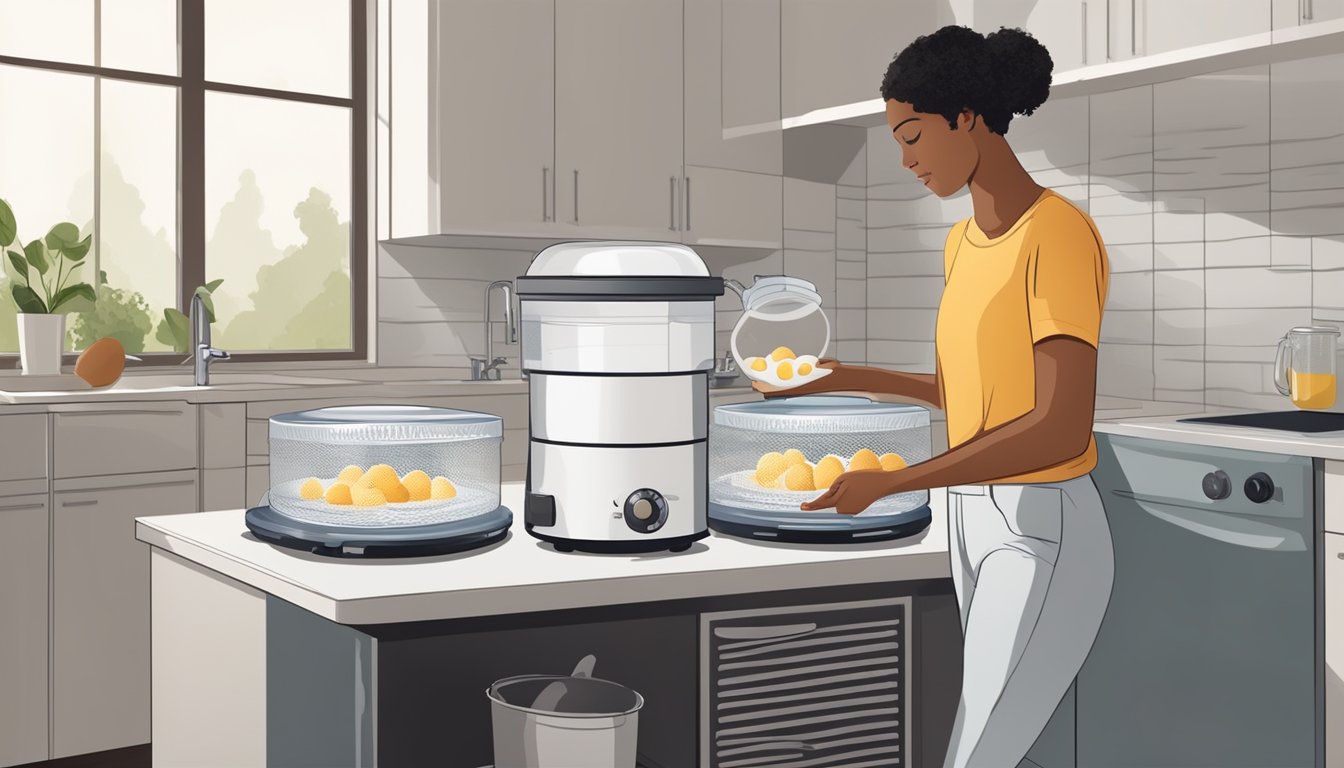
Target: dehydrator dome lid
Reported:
point(618, 259)
point(821, 414)
point(385, 424)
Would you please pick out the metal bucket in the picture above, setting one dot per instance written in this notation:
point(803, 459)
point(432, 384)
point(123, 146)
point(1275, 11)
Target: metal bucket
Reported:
point(556, 721)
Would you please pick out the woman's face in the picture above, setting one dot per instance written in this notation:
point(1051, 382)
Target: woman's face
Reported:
point(939, 156)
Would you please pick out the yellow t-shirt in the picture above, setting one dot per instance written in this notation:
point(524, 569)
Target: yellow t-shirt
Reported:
point(1047, 276)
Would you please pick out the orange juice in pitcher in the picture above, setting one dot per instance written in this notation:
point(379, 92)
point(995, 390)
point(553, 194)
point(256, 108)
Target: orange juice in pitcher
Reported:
point(1304, 366)
point(1311, 390)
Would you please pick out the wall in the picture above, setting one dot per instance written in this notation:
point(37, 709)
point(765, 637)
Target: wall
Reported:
point(1219, 199)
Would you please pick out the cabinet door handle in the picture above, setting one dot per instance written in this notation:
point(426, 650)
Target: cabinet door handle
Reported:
point(576, 195)
point(1084, 34)
point(688, 203)
point(545, 172)
point(672, 203)
point(80, 503)
point(20, 507)
point(1133, 27)
point(1108, 30)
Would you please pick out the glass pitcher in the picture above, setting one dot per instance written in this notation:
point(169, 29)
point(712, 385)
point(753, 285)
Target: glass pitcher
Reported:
point(778, 311)
point(1304, 366)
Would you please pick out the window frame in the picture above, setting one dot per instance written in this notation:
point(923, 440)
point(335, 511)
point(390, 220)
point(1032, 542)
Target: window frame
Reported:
point(191, 88)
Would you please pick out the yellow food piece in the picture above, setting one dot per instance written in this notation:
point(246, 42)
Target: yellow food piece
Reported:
point(417, 485)
point(384, 478)
point(311, 488)
point(804, 369)
point(440, 488)
point(782, 353)
point(339, 493)
point(758, 364)
point(799, 478)
point(784, 371)
point(829, 468)
point(367, 497)
point(892, 462)
point(864, 459)
point(770, 467)
point(795, 456)
point(398, 494)
point(350, 474)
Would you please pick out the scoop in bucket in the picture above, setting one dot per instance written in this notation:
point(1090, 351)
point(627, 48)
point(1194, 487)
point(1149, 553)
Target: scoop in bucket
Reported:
point(550, 721)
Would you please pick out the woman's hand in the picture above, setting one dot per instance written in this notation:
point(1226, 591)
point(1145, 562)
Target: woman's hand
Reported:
point(832, 382)
point(853, 492)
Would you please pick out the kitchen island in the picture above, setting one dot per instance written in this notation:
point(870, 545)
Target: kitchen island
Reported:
point(263, 655)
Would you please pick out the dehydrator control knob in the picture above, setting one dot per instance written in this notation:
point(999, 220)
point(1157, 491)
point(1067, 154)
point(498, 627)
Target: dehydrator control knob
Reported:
point(1259, 488)
point(1217, 485)
point(645, 510)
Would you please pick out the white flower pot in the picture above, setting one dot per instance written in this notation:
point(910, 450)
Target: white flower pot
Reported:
point(41, 341)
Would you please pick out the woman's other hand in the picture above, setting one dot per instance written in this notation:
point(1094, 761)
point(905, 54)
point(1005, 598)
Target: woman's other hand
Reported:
point(832, 382)
point(853, 492)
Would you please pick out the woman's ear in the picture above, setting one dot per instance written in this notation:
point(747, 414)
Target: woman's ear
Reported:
point(967, 119)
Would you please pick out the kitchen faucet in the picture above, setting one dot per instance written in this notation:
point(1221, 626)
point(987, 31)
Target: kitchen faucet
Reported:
point(202, 353)
point(487, 368)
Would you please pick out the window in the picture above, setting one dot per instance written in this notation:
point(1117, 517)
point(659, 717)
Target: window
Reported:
point(216, 143)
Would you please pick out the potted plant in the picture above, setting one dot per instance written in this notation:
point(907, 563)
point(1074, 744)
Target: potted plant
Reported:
point(42, 291)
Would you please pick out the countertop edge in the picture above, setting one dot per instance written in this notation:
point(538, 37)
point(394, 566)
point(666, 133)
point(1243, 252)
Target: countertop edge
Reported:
point(534, 598)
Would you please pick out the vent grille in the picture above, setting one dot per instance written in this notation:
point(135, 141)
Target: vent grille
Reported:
point(821, 686)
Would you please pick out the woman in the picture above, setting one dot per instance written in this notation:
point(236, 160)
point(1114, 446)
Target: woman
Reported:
point(1016, 342)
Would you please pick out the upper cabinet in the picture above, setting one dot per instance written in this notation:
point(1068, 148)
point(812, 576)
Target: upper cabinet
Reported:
point(1289, 14)
point(618, 116)
point(1147, 27)
point(836, 53)
point(1069, 29)
point(732, 76)
point(496, 115)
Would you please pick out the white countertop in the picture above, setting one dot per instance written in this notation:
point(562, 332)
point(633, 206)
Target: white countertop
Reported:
point(522, 574)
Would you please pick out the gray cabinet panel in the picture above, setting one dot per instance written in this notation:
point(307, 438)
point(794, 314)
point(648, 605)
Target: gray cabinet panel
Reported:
point(116, 439)
point(23, 446)
point(100, 610)
point(23, 629)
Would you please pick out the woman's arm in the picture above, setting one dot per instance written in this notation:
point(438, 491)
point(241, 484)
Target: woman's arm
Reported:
point(1057, 429)
point(922, 387)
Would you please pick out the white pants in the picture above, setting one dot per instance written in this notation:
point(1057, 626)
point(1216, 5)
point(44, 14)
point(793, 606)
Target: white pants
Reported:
point(1032, 566)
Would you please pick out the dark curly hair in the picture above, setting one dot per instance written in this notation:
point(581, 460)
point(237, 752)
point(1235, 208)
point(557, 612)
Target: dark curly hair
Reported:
point(997, 76)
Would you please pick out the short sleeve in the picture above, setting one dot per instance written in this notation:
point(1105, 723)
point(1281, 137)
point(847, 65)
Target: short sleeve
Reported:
point(952, 245)
point(1066, 277)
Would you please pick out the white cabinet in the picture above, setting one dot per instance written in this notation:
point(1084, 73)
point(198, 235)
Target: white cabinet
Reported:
point(1334, 650)
point(1289, 14)
point(1147, 27)
point(618, 115)
point(496, 117)
point(100, 607)
point(732, 72)
point(23, 629)
point(734, 208)
point(837, 52)
point(1058, 24)
point(732, 189)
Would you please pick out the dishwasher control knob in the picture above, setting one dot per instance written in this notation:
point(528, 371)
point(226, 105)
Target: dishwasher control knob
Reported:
point(1259, 488)
point(645, 510)
point(1217, 485)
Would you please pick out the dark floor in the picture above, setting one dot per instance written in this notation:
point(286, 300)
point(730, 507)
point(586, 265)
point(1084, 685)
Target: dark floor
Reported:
point(130, 757)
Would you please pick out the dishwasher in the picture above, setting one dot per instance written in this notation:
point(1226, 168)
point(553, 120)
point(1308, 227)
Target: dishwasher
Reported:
point(1208, 652)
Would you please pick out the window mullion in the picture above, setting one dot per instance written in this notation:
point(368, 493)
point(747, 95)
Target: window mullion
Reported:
point(191, 151)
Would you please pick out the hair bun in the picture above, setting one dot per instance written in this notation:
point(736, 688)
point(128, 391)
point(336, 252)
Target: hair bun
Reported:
point(1021, 67)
